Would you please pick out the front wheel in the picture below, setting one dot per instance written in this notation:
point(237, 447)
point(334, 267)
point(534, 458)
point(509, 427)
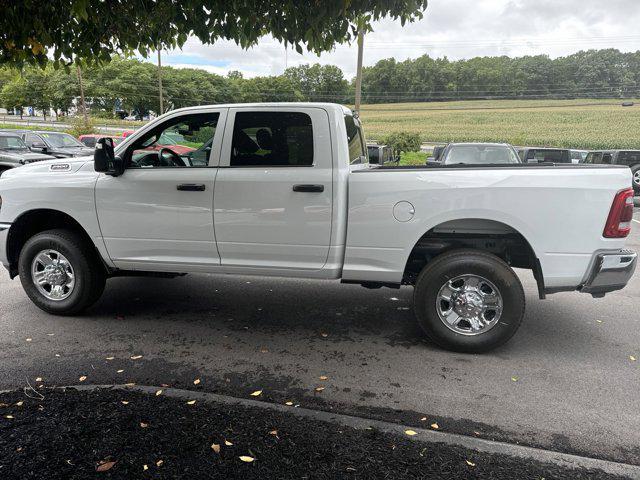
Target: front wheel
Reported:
point(60, 272)
point(469, 301)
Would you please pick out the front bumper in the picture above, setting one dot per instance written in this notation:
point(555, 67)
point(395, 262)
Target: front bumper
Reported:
point(4, 233)
point(610, 271)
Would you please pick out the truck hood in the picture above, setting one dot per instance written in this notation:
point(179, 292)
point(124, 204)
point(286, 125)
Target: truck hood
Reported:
point(23, 156)
point(72, 152)
point(55, 166)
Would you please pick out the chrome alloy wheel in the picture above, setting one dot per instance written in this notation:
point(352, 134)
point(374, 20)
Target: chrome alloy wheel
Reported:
point(636, 178)
point(53, 275)
point(469, 304)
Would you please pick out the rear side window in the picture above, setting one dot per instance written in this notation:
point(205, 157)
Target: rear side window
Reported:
point(283, 139)
point(355, 140)
point(89, 141)
point(629, 158)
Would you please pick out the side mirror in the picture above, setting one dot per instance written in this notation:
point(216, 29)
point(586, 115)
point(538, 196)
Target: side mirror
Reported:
point(105, 160)
point(39, 146)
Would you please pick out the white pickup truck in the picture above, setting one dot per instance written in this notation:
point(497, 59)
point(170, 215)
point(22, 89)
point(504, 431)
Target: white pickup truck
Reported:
point(286, 190)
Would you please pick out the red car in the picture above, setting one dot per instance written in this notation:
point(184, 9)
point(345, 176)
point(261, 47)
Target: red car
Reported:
point(90, 139)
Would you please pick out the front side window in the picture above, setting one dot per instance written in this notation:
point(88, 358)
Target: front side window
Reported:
point(629, 158)
point(263, 139)
point(183, 141)
point(357, 153)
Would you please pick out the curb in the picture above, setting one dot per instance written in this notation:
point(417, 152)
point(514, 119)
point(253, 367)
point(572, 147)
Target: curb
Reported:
point(564, 460)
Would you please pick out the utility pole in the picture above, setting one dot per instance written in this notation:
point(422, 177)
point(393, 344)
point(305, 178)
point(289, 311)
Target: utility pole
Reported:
point(160, 82)
point(84, 105)
point(359, 67)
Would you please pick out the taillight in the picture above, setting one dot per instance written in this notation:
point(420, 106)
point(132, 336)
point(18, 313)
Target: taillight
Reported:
point(620, 216)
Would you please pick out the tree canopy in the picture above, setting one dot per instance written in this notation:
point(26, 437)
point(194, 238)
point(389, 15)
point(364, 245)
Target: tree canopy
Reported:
point(94, 30)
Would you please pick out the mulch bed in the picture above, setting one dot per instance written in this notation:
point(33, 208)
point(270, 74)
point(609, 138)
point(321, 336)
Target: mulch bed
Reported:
point(74, 434)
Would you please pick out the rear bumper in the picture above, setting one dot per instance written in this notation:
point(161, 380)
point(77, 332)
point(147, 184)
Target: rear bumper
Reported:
point(610, 271)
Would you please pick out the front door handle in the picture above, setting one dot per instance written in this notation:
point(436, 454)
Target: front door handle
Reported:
point(192, 187)
point(308, 188)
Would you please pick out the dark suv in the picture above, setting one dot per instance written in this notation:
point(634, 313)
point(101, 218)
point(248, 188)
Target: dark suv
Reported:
point(14, 152)
point(630, 158)
point(58, 144)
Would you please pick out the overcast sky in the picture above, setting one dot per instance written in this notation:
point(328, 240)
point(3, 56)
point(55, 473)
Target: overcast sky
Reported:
point(453, 28)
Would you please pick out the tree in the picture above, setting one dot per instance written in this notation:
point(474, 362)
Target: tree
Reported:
point(318, 83)
point(14, 94)
point(95, 30)
point(403, 142)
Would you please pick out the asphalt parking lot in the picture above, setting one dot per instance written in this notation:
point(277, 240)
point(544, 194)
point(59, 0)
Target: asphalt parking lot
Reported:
point(567, 380)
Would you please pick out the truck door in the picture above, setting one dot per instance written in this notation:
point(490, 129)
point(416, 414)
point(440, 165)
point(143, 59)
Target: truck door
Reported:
point(158, 215)
point(273, 192)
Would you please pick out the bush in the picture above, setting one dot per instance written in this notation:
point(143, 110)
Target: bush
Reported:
point(403, 142)
point(80, 127)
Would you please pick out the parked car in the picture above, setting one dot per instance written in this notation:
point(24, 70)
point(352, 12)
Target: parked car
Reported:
point(289, 192)
point(381, 154)
point(475, 154)
point(57, 144)
point(629, 158)
point(90, 139)
point(545, 155)
point(14, 152)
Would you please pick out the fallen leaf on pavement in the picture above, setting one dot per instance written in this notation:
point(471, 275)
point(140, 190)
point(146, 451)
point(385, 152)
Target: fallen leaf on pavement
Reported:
point(515, 379)
point(9, 417)
point(124, 402)
point(435, 426)
point(257, 393)
point(145, 468)
point(136, 357)
point(423, 419)
point(102, 467)
point(158, 393)
point(196, 381)
point(129, 384)
point(471, 464)
point(110, 358)
point(120, 371)
point(228, 443)
point(411, 433)
point(289, 403)
point(39, 379)
point(319, 389)
point(191, 402)
point(323, 377)
point(83, 378)
point(632, 358)
point(273, 432)
point(159, 463)
point(246, 458)
point(215, 447)
point(325, 335)
point(29, 339)
point(144, 425)
point(19, 404)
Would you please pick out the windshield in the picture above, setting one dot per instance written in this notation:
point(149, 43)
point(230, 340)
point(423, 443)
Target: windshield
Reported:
point(61, 140)
point(480, 154)
point(12, 143)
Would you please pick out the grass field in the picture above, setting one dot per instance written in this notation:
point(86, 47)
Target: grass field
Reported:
point(581, 124)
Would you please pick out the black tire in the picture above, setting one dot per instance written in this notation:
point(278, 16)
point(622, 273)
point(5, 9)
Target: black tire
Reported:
point(462, 262)
point(635, 170)
point(89, 273)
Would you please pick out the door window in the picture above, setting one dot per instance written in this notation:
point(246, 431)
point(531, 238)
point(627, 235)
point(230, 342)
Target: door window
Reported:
point(606, 158)
point(30, 139)
point(355, 140)
point(183, 141)
point(272, 139)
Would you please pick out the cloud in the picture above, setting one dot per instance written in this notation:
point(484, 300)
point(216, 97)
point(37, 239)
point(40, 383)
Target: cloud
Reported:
point(452, 28)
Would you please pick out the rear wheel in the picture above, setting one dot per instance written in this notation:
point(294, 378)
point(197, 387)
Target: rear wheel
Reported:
point(469, 301)
point(635, 172)
point(61, 273)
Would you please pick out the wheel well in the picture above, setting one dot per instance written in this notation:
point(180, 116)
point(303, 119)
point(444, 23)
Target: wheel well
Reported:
point(484, 235)
point(34, 222)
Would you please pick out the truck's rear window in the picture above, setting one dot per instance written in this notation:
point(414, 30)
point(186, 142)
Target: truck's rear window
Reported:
point(555, 156)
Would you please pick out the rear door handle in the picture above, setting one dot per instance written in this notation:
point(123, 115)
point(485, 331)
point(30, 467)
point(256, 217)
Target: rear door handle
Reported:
point(191, 187)
point(308, 188)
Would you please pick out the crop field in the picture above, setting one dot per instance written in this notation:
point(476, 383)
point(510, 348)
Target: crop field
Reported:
point(581, 124)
